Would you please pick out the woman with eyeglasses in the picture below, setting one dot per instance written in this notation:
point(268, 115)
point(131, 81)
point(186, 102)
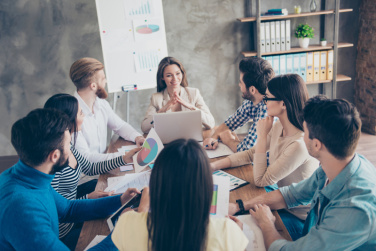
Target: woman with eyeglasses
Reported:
point(289, 161)
point(176, 215)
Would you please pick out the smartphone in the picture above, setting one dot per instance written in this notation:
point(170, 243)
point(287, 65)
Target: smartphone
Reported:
point(134, 202)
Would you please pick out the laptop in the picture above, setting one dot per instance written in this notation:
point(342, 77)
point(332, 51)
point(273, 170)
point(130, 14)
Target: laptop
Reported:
point(176, 125)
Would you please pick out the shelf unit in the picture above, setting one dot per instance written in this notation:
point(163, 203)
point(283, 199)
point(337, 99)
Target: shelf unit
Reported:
point(335, 45)
point(303, 14)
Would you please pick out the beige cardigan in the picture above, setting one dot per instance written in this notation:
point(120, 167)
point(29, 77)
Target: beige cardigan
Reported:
point(289, 162)
point(189, 94)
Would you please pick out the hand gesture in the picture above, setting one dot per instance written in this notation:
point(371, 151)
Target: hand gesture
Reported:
point(210, 143)
point(99, 194)
point(184, 103)
point(263, 215)
point(139, 141)
point(168, 106)
point(236, 220)
point(228, 136)
point(128, 195)
point(145, 201)
point(127, 157)
point(264, 126)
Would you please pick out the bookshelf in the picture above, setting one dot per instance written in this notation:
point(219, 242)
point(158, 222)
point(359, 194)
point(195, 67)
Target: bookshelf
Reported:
point(303, 14)
point(329, 46)
point(335, 45)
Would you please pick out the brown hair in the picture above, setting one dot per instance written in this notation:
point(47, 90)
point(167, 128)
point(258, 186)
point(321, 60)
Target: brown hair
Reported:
point(291, 89)
point(161, 84)
point(82, 71)
point(257, 72)
point(334, 122)
point(181, 192)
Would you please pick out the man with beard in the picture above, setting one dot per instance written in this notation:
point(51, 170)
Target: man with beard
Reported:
point(342, 191)
point(30, 208)
point(87, 74)
point(255, 74)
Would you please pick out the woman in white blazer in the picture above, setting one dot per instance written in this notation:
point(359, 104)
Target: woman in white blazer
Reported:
point(174, 95)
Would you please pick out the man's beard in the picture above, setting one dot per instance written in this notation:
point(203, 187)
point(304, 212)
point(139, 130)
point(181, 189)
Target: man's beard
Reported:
point(248, 96)
point(101, 93)
point(60, 165)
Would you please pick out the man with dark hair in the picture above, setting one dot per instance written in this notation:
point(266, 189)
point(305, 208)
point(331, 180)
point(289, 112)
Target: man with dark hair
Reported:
point(87, 74)
point(255, 73)
point(342, 191)
point(30, 208)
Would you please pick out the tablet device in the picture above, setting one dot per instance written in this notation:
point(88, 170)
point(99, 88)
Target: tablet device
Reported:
point(134, 202)
point(176, 125)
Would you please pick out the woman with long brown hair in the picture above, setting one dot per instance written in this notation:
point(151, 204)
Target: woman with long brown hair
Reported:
point(181, 192)
point(289, 160)
point(173, 95)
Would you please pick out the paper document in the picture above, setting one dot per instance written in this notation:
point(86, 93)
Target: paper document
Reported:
point(253, 232)
point(120, 184)
point(222, 150)
point(126, 168)
point(150, 149)
point(221, 196)
point(235, 182)
point(95, 241)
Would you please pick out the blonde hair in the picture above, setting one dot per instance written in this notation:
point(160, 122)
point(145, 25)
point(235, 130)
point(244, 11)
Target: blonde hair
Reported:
point(82, 71)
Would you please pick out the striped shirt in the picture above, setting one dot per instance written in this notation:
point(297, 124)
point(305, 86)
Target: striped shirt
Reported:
point(246, 112)
point(65, 181)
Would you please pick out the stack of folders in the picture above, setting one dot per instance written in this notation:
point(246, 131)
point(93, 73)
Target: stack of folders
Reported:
point(275, 36)
point(311, 66)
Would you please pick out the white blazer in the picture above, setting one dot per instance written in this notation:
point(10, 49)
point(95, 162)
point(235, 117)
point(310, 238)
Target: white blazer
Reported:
point(189, 94)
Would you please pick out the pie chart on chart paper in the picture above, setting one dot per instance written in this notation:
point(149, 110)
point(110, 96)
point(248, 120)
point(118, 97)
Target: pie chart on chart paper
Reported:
point(147, 29)
point(148, 153)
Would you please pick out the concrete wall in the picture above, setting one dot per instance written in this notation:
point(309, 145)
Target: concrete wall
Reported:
point(40, 39)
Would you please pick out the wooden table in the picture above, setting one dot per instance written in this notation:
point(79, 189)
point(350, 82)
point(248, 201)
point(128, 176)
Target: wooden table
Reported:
point(99, 227)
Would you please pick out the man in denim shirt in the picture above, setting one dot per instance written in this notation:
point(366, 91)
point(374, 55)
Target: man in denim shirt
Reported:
point(342, 191)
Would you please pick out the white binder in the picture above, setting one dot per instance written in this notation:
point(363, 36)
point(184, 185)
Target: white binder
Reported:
point(262, 37)
point(288, 34)
point(267, 37)
point(272, 36)
point(276, 66)
point(283, 35)
point(282, 64)
point(277, 36)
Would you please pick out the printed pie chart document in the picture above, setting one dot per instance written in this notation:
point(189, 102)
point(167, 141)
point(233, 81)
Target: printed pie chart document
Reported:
point(149, 152)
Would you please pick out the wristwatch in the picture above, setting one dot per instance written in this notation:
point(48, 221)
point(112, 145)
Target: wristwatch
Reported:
point(241, 207)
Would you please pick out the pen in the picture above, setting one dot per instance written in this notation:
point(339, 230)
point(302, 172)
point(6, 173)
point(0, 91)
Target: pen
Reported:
point(213, 142)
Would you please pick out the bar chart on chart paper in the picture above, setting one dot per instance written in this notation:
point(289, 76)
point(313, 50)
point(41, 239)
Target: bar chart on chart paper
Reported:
point(139, 8)
point(147, 60)
point(213, 207)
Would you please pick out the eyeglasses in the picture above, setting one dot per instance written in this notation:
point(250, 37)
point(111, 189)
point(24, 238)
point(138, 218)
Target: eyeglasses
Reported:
point(266, 99)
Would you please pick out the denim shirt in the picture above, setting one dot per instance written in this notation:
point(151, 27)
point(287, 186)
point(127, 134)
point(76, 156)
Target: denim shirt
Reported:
point(343, 213)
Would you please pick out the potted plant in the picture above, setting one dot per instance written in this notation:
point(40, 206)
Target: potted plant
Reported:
point(323, 42)
point(304, 32)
